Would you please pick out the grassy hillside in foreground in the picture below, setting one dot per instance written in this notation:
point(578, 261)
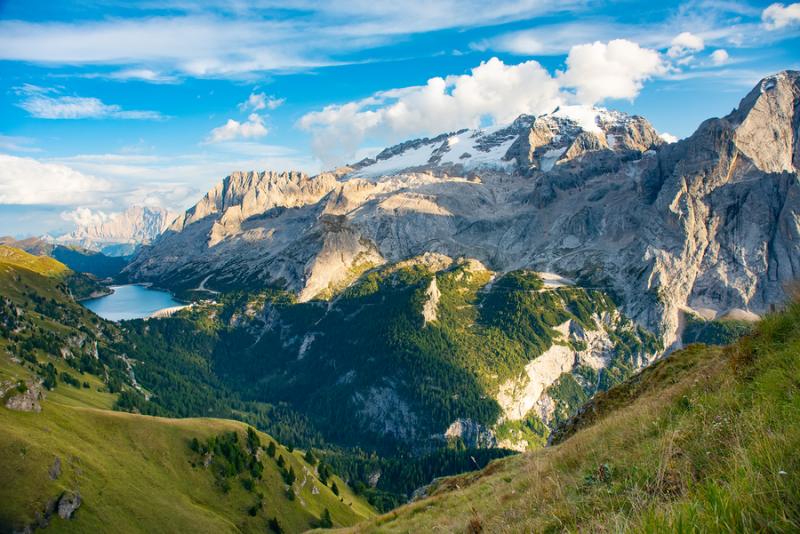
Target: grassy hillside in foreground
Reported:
point(133, 473)
point(705, 440)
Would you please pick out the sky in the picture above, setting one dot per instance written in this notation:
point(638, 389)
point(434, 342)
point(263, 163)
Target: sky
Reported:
point(106, 104)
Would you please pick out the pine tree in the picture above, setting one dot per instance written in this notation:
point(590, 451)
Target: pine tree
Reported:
point(290, 477)
point(275, 526)
point(325, 521)
point(253, 442)
point(271, 449)
point(335, 489)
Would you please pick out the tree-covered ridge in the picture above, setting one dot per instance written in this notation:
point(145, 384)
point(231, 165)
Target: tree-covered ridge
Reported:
point(365, 371)
point(369, 370)
point(717, 332)
point(703, 440)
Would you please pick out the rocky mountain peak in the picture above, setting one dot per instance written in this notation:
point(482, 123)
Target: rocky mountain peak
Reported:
point(526, 145)
point(767, 123)
point(243, 194)
point(135, 225)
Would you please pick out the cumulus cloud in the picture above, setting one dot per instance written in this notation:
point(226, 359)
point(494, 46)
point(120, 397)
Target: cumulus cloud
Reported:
point(28, 181)
point(259, 101)
point(668, 137)
point(493, 92)
point(616, 70)
point(779, 16)
point(84, 217)
point(233, 129)
point(41, 103)
point(684, 44)
point(719, 57)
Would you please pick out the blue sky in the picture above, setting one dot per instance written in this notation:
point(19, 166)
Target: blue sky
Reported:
point(106, 104)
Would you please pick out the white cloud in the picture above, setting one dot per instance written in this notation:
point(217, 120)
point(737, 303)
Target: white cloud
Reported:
point(259, 101)
point(600, 71)
point(234, 39)
point(668, 137)
point(557, 39)
point(85, 217)
point(15, 143)
point(233, 129)
point(684, 44)
point(28, 181)
point(719, 56)
point(39, 103)
point(492, 90)
point(144, 75)
point(779, 16)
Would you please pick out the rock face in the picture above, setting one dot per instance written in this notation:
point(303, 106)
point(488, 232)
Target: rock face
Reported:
point(709, 223)
point(27, 400)
point(55, 469)
point(134, 226)
point(471, 433)
point(68, 503)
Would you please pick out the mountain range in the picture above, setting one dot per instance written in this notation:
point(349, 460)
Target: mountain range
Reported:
point(578, 244)
point(119, 234)
point(557, 287)
point(591, 195)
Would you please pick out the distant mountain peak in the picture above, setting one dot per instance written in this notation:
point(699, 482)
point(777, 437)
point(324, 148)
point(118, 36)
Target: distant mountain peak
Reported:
point(135, 226)
point(513, 147)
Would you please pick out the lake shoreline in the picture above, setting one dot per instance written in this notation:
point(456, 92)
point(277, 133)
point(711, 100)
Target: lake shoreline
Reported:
point(132, 301)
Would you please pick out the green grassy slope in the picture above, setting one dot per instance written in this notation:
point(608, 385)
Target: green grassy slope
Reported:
point(43, 265)
point(78, 285)
point(705, 440)
point(78, 259)
point(134, 473)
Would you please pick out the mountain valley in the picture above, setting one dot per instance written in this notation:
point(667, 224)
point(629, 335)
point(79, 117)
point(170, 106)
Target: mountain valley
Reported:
point(562, 323)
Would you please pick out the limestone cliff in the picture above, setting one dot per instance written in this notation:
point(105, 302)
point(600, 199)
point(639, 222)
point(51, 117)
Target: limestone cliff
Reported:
point(709, 223)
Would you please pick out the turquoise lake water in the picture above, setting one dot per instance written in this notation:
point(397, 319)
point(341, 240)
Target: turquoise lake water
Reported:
point(130, 302)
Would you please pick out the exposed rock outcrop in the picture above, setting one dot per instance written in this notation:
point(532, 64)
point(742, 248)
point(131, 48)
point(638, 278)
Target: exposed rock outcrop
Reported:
point(472, 434)
point(429, 309)
point(27, 400)
point(68, 503)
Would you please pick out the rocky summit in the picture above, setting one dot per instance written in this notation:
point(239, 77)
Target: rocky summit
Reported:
point(705, 225)
point(119, 233)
